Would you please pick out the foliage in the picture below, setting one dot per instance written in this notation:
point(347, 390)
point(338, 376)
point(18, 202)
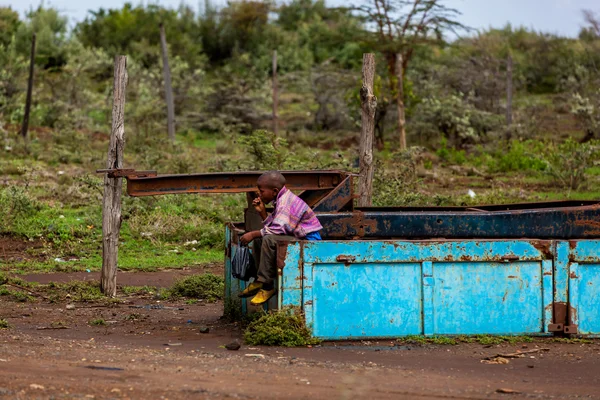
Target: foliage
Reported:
point(209, 287)
point(567, 162)
point(267, 150)
point(51, 37)
point(4, 324)
point(285, 327)
point(518, 156)
point(98, 322)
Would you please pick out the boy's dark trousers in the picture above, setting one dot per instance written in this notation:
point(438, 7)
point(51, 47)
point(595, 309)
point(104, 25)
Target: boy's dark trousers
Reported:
point(265, 256)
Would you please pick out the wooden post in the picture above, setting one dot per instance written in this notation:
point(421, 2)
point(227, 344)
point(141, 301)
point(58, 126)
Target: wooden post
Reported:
point(368, 104)
point(111, 210)
point(25, 126)
point(509, 83)
point(400, 102)
point(275, 94)
point(168, 87)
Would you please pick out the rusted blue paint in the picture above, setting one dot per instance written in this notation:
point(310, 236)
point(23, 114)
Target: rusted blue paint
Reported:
point(390, 288)
point(584, 296)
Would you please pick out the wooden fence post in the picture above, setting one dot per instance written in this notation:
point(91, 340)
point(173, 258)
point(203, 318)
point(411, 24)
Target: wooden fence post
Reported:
point(25, 125)
point(275, 94)
point(111, 209)
point(368, 106)
point(168, 87)
point(509, 84)
point(400, 102)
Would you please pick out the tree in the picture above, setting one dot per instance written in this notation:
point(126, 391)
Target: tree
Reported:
point(51, 30)
point(400, 27)
point(9, 23)
point(592, 30)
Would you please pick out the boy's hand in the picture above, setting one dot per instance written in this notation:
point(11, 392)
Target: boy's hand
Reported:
point(259, 206)
point(248, 237)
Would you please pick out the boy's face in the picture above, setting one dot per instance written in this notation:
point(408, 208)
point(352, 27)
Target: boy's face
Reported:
point(267, 194)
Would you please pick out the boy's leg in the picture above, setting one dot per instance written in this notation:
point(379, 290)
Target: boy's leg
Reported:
point(267, 267)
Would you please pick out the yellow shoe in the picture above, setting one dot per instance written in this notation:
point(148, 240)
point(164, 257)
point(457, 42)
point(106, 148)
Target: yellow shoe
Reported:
point(262, 297)
point(251, 289)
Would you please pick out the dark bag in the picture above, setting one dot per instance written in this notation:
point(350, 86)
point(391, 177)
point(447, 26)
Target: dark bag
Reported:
point(242, 265)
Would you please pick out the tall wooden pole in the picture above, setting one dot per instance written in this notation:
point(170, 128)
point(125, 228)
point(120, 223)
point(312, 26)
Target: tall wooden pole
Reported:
point(509, 83)
point(400, 102)
point(111, 211)
point(25, 125)
point(275, 94)
point(168, 87)
point(368, 106)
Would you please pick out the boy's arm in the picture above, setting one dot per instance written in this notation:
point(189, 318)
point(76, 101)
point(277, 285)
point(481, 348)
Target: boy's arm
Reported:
point(250, 236)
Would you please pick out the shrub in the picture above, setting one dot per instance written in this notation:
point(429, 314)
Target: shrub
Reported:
point(207, 286)
point(568, 162)
point(285, 327)
point(520, 156)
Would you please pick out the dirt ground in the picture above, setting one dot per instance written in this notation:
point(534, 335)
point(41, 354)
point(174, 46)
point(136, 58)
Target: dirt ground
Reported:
point(53, 352)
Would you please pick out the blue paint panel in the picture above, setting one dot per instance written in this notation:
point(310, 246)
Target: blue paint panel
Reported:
point(366, 300)
point(474, 298)
point(585, 251)
point(584, 293)
point(419, 251)
point(547, 292)
point(561, 272)
point(290, 287)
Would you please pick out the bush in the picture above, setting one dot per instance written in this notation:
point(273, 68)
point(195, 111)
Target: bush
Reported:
point(207, 286)
point(568, 162)
point(279, 328)
point(520, 156)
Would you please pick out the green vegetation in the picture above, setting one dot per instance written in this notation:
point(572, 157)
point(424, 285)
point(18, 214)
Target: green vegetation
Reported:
point(4, 324)
point(220, 58)
point(98, 322)
point(206, 286)
point(279, 328)
point(486, 340)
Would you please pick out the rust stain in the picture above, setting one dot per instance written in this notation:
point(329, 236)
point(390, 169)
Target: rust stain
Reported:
point(512, 277)
point(547, 273)
point(308, 303)
point(573, 276)
point(544, 247)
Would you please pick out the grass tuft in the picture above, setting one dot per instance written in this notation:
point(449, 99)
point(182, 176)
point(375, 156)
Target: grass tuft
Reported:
point(279, 328)
point(4, 324)
point(209, 287)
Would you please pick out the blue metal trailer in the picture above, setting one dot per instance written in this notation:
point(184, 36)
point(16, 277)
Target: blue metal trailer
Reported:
point(389, 272)
point(391, 288)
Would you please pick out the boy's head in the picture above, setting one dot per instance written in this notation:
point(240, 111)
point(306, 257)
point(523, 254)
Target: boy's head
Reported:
point(269, 185)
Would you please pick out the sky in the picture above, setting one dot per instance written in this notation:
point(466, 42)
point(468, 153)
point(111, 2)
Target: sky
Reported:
point(552, 16)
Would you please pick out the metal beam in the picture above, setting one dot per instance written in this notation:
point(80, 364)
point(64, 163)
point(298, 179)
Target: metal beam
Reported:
point(541, 223)
point(228, 182)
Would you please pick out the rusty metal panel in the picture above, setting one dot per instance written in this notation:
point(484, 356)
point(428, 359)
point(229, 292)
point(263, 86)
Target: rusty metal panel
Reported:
point(339, 198)
point(228, 182)
point(543, 223)
point(364, 300)
point(292, 276)
point(488, 298)
point(584, 296)
point(359, 289)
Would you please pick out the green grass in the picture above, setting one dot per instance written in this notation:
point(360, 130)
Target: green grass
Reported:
point(98, 322)
point(485, 340)
point(4, 324)
point(205, 286)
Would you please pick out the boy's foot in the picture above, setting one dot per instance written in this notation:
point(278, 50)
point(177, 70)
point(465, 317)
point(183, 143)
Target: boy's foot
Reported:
point(262, 297)
point(251, 289)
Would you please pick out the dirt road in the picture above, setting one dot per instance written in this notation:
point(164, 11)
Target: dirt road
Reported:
point(160, 353)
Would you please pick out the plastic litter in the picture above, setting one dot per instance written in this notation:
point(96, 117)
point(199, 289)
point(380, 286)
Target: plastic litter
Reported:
point(242, 265)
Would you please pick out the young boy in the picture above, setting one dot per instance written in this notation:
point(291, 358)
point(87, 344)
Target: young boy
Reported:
point(291, 219)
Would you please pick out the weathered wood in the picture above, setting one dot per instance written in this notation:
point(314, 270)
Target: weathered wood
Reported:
point(368, 106)
point(25, 125)
point(400, 102)
point(509, 89)
point(168, 86)
point(275, 94)
point(111, 210)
